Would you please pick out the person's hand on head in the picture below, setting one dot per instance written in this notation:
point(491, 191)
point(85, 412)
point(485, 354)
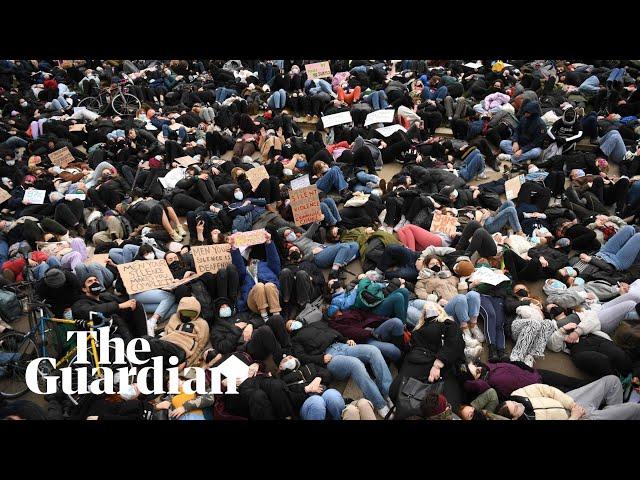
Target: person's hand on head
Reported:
point(327, 358)
point(267, 237)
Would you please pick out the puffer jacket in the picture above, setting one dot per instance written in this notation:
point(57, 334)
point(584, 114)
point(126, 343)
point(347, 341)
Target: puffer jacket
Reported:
point(495, 100)
point(429, 282)
point(548, 402)
point(192, 343)
point(531, 131)
point(311, 341)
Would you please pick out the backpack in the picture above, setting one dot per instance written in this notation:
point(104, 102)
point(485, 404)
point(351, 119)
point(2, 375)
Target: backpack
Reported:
point(10, 306)
point(96, 225)
point(370, 295)
point(312, 312)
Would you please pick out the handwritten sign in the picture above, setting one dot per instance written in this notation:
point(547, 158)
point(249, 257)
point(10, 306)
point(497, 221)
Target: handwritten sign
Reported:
point(473, 65)
point(300, 182)
point(444, 223)
point(305, 205)
point(177, 283)
point(390, 130)
point(250, 238)
point(77, 127)
point(186, 161)
point(61, 157)
point(211, 258)
point(256, 175)
point(336, 119)
point(380, 116)
point(318, 70)
point(74, 196)
point(4, 195)
point(512, 186)
point(34, 196)
point(143, 275)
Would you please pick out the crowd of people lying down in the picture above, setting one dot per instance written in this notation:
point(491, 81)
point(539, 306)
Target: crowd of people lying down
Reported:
point(431, 301)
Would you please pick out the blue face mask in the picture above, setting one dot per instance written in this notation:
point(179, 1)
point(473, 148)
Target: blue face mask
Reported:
point(225, 312)
point(571, 271)
point(578, 282)
point(296, 325)
point(535, 240)
point(557, 285)
point(68, 314)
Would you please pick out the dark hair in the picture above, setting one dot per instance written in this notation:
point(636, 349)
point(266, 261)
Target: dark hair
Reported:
point(429, 405)
point(503, 410)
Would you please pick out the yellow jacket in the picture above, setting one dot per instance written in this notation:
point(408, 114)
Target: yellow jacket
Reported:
point(548, 402)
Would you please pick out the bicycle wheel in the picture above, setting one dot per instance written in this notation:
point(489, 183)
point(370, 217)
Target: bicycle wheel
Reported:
point(125, 104)
point(16, 351)
point(90, 103)
point(88, 377)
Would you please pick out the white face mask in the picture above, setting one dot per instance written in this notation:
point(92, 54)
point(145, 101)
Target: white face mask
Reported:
point(11, 163)
point(149, 256)
point(238, 195)
point(291, 237)
point(24, 104)
point(128, 392)
point(296, 325)
point(68, 314)
point(289, 364)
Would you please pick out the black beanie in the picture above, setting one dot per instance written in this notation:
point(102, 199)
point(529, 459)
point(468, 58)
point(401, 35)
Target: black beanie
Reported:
point(54, 278)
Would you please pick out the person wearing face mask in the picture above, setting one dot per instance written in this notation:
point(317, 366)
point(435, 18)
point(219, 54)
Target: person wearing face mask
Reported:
point(301, 282)
point(245, 211)
point(95, 298)
point(330, 178)
point(434, 277)
point(232, 332)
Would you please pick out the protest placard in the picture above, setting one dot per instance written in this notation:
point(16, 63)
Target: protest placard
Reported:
point(74, 196)
point(176, 283)
point(256, 175)
point(100, 258)
point(318, 70)
point(143, 275)
point(34, 196)
point(305, 205)
point(186, 161)
point(300, 182)
point(250, 238)
point(336, 119)
point(512, 186)
point(61, 157)
point(390, 130)
point(4, 195)
point(211, 258)
point(76, 127)
point(379, 116)
point(444, 223)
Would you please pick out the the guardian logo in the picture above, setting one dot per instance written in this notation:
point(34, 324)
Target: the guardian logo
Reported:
point(100, 379)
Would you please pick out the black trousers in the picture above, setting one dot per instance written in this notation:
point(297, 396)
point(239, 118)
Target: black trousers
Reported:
point(269, 189)
point(222, 284)
point(599, 357)
point(475, 238)
point(183, 203)
point(261, 398)
point(69, 214)
point(560, 381)
point(269, 339)
point(298, 287)
point(521, 269)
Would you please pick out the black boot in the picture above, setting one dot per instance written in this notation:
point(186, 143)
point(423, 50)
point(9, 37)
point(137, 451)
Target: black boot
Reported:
point(502, 355)
point(493, 354)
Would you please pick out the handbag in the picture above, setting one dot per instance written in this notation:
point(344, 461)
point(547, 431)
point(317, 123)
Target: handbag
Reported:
point(411, 394)
point(311, 313)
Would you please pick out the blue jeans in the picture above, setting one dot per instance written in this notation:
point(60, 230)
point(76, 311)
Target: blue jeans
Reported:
point(613, 146)
point(15, 142)
point(590, 86)
point(616, 75)
point(377, 100)
point(192, 416)
point(463, 307)
point(394, 305)
point(330, 211)
point(414, 312)
point(622, 249)
point(439, 94)
point(364, 178)
point(156, 301)
point(222, 93)
point(4, 251)
point(333, 179)
point(359, 68)
point(506, 214)
point(632, 196)
point(41, 269)
point(472, 166)
point(328, 406)
point(506, 147)
point(277, 99)
point(95, 269)
point(123, 255)
point(394, 327)
point(492, 312)
point(349, 362)
point(337, 254)
point(182, 132)
point(323, 86)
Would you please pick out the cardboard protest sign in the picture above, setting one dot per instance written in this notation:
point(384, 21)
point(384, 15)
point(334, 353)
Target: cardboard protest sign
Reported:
point(305, 205)
point(177, 283)
point(211, 258)
point(4, 195)
point(175, 126)
point(390, 130)
point(380, 116)
point(473, 65)
point(61, 157)
point(317, 70)
point(34, 196)
point(300, 182)
point(77, 127)
point(143, 275)
point(51, 247)
point(186, 161)
point(250, 238)
point(256, 175)
point(512, 186)
point(444, 223)
point(100, 258)
point(336, 119)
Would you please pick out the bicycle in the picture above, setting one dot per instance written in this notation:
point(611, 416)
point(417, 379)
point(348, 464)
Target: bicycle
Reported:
point(122, 102)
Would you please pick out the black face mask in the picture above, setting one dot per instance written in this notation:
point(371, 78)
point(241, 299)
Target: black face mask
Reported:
point(96, 288)
point(436, 268)
point(521, 293)
point(294, 256)
point(555, 311)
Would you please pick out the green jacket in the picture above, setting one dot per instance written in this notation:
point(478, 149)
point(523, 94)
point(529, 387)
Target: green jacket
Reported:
point(361, 236)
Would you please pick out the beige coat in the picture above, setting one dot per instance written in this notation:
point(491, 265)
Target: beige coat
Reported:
point(548, 402)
